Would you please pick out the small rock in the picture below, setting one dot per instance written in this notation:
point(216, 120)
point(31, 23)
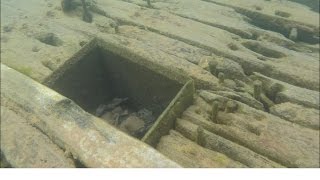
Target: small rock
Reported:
point(204, 62)
point(100, 110)
point(4, 39)
point(82, 43)
point(49, 39)
point(233, 46)
point(231, 69)
point(24, 26)
point(262, 58)
point(221, 77)
point(49, 64)
point(58, 8)
point(50, 14)
point(116, 102)
point(230, 84)
point(35, 49)
point(258, 8)
point(110, 106)
point(293, 34)
point(215, 110)
point(68, 5)
point(87, 17)
point(7, 28)
point(231, 106)
point(117, 110)
point(108, 117)
point(132, 125)
point(282, 14)
point(115, 25)
point(146, 115)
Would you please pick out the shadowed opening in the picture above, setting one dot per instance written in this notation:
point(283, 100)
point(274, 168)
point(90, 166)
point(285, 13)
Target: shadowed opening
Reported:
point(125, 94)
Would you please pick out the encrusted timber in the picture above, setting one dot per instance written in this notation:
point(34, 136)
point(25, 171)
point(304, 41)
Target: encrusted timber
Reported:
point(290, 93)
point(89, 139)
point(217, 143)
point(167, 119)
point(116, 48)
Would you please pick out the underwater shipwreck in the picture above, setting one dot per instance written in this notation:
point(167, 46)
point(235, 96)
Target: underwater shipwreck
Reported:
point(160, 83)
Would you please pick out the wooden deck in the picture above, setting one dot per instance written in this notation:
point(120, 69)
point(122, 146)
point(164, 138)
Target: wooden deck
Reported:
point(246, 40)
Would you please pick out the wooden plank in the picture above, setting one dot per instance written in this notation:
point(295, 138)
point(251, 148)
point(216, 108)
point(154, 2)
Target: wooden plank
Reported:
point(24, 146)
point(224, 146)
point(277, 139)
point(166, 120)
point(191, 155)
point(89, 139)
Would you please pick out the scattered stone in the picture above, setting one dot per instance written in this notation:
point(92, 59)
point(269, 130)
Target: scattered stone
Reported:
point(230, 68)
point(68, 5)
point(204, 63)
point(255, 129)
point(230, 84)
point(231, 106)
point(200, 139)
point(96, 9)
point(262, 58)
point(257, 88)
point(35, 49)
point(136, 14)
point(82, 43)
point(146, 115)
point(282, 14)
point(104, 26)
point(113, 104)
point(49, 64)
point(49, 39)
point(100, 110)
point(50, 14)
point(149, 3)
point(221, 77)
point(121, 116)
point(213, 67)
point(24, 26)
point(233, 46)
point(293, 34)
point(58, 8)
point(273, 90)
point(4, 39)
point(7, 28)
point(258, 8)
point(215, 110)
point(87, 16)
point(115, 25)
point(132, 125)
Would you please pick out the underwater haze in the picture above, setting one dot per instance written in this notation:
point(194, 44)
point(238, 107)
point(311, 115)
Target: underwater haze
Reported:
point(160, 83)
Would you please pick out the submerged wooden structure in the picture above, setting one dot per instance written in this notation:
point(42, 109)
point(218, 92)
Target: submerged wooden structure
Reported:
point(232, 84)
